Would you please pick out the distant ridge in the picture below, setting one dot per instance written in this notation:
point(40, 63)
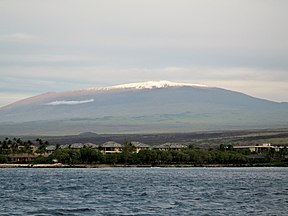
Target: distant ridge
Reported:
point(144, 107)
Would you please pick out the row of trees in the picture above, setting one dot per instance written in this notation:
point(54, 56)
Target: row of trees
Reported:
point(17, 145)
point(157, 157)
point(14, 146)
point(222, 155)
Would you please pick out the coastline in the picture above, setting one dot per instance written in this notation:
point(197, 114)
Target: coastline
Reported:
point(59, 165)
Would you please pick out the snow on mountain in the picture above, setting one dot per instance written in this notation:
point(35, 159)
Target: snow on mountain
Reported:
point(149, 85)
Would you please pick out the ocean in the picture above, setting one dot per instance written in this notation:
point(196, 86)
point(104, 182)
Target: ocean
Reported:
point(144, 191)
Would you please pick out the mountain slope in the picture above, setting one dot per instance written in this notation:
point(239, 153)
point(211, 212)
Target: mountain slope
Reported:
point(142, 107)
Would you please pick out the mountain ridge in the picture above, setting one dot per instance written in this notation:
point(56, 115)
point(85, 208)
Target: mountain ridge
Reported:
point(141, 107)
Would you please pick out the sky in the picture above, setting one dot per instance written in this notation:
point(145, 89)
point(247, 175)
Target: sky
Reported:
point(52, 46)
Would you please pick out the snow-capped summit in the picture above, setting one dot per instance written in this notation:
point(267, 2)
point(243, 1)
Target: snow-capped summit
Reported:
point(149, 85)
point(143, 107)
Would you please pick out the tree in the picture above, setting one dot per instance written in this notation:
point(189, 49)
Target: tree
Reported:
point(180, 156)
point(89, 155)
point(66, 156)
point(166, 157)
point(39, 141)
point(112, 158)
point(3, 159)
point(42, 145)
point(127, 150)
point(41, 160)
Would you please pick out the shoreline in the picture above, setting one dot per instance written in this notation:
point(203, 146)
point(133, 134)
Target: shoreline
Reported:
point(59, 165)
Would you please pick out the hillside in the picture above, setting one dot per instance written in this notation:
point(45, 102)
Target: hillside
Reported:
point(149, 107)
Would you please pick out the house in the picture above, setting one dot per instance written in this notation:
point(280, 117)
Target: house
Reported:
point(64, 146)
point(140, 146)
point(110, 147)
point(21, 147)
point(21, 158)
point(76, 146)
point(91, 145)
point(50, 149)
point(170, 146)
point(33, 148)
point(260, 148)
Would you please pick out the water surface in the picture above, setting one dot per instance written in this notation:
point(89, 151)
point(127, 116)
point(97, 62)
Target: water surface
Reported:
point(144, 191)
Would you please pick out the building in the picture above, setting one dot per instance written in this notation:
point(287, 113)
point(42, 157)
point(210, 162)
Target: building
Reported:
point(21, 158)
point(110, 147)
point(91, 145)
point(259, 148)
point(170, 146)
point(34, 148)
point(50, 149)
point(76, 146)
point(140, 146)
point(80, 145)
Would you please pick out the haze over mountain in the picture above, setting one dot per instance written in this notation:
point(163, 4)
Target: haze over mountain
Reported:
point(141, 108)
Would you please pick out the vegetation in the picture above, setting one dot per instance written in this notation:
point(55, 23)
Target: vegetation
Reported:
point(222, 155)
point(15, 146)
point(189, 156)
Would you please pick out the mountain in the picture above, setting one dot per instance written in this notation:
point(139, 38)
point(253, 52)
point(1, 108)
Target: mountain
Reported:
point(141, 107)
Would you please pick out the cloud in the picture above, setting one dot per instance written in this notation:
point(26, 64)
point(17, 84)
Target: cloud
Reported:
point(18, 37)
point(55, 103)
point(47, 48)
point(16, 82)
point(146, 33)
